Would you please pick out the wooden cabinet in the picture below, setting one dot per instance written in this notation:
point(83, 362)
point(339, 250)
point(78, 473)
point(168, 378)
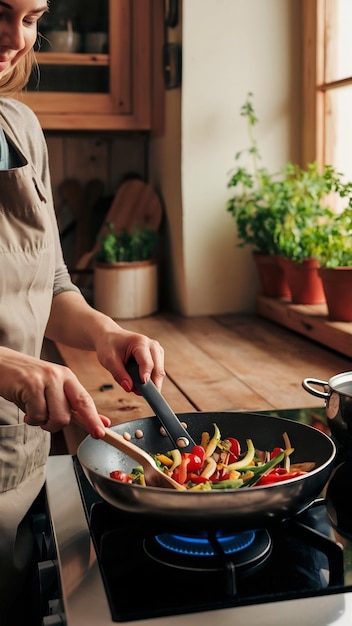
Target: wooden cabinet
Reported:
point(102, 91)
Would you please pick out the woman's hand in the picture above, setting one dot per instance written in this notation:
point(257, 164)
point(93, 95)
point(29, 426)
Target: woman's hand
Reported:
point(49, 394)
point(74, 323)
point(115, 348)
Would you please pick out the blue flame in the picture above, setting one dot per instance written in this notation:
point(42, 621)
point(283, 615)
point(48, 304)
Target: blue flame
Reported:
point(202, 546)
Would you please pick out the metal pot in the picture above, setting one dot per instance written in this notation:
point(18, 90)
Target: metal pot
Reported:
point(337, 393)
point(250, 507)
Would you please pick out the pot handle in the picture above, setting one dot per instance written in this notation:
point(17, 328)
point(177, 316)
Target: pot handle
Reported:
point(307, 382)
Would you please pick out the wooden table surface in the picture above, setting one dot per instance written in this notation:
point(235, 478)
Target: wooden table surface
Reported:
point(219, 363)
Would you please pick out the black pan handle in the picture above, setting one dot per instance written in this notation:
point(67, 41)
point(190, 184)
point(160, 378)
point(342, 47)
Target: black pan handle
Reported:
point(177, 433)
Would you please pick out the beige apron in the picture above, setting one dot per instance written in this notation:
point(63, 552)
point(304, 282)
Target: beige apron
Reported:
point(27, 265)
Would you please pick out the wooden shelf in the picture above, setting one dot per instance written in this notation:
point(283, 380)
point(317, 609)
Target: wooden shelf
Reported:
point(308, 320)
point(72, 58)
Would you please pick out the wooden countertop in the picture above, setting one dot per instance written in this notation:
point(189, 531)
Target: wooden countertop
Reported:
point(219, 363)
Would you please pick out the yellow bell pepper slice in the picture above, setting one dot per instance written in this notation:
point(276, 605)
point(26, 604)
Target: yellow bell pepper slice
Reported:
point(165, 460)
point(209, 467)
point(201, 487)
point(212, 445)
point(204, 440)
point(177, 459)
point(288, 451)
point(246, 460)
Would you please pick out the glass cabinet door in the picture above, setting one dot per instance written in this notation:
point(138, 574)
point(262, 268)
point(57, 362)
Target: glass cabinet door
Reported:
point(94, 65)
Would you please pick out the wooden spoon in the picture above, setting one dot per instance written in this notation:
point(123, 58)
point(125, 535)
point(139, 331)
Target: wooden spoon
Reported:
point(154, 477)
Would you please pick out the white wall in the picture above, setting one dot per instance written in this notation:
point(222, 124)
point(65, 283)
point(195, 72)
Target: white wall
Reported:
point(229, 47)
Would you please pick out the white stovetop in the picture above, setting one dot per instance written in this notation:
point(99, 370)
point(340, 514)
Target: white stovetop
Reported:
point(83, 592)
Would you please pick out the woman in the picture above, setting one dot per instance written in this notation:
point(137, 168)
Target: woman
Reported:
point(37, 299)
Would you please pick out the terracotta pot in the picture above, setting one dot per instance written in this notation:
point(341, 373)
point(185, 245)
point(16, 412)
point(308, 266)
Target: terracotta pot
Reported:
point(126, 290)
point(272, 277)
point(304, 281)
point(337, 284)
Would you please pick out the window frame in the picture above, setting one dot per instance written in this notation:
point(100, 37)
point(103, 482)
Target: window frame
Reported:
point(317, 26)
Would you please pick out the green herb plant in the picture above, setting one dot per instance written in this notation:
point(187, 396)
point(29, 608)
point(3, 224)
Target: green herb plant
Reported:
point(126, 246)
point(333, 242)
point(282, 213)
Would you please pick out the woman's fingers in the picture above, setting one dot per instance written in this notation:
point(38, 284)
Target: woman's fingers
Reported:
point(58, 398)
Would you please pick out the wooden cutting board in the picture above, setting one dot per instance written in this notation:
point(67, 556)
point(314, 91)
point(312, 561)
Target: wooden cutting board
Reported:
point(135, 204)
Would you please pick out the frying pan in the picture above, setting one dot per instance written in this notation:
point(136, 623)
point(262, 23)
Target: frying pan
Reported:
point(245, 508)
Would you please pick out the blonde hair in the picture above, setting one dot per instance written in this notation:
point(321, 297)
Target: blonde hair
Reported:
point(16, 79)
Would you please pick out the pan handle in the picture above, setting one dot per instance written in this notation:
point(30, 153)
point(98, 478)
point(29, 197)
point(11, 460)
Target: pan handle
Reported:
point(307, 382)
point(177, 433)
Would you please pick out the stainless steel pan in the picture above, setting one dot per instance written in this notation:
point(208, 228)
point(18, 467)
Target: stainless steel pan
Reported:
point(240, 508)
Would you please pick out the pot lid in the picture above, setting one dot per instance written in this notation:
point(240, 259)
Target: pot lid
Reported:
point(342, 383)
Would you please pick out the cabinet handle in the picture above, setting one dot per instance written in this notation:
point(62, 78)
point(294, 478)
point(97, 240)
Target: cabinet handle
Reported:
point(172, 63)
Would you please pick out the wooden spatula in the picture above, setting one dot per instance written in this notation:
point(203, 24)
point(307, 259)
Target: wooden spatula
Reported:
point(154, 477)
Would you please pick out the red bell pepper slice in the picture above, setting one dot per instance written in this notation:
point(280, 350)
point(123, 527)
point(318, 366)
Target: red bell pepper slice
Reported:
point(121, 476)
point(235, 448)
point(195, 458)
point(275, 452)
point(180, 472)
point(199, 451)
point(278, 475)
point(196, 478)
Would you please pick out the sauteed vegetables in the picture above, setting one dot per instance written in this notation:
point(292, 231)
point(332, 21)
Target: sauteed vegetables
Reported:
point(218, 463)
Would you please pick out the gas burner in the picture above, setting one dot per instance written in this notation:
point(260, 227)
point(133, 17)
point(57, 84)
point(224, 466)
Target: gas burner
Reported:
point(204, 544)
point(210, 551)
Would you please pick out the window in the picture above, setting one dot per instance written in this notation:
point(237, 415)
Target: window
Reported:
point(327, 84)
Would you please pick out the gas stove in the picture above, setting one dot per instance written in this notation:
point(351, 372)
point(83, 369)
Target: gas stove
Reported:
point(118, 567)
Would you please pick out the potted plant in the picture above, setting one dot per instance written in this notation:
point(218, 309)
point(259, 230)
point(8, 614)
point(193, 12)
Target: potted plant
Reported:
point(333, 251)
point(306, 222)
point(256, 211)
point(125, 273)
point(277, 213)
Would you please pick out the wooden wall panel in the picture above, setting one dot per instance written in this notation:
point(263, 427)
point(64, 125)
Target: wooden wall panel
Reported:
point(86, 156)
point(128, 156)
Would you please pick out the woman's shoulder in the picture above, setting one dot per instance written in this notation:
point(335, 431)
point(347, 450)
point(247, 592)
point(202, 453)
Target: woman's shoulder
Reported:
point(13, 110)
point(22, 127)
